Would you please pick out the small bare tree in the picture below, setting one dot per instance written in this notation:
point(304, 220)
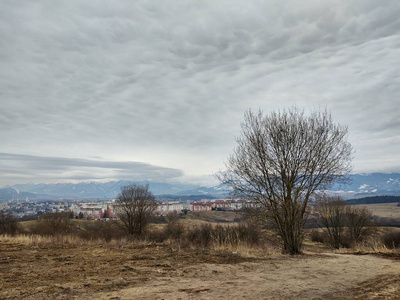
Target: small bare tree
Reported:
point(359, 221)
point(280, 161)
point(134, 207)
point(331, 217)
point(8, 224)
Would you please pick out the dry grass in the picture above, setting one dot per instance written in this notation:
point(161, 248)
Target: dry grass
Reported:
point(386, 210)
point(190, 223)
point(241, 249)
point(75, 267)
point(72, 267)
point(40, 240)
point(215, 216)
point(373, 245)
point(244, 250)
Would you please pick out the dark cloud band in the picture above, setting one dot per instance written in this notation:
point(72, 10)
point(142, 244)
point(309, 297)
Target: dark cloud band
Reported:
point(42, 169)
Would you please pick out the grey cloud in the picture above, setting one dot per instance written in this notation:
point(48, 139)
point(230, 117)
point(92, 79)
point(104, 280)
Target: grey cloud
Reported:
point(41, 169)
point(93, 78)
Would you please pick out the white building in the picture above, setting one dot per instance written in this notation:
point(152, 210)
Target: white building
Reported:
point(98, 210)
point(166, 208)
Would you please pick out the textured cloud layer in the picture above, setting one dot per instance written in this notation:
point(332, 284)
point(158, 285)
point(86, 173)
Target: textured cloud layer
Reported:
point(167, 82)
point(58, 169)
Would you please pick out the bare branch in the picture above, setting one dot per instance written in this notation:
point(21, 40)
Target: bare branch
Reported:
point(281, 160)
point(134, 207)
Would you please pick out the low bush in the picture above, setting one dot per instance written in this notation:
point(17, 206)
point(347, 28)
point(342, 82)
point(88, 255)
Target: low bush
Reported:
point(250, 233)
point(8, 224)
point(343, 225)
point(156, 236)
point(200, 236)
point(225, 235)
point(220, 235)
point(386, 222)
point(317, 236)
point(174, 230)
point(104, 230)
point(391, 239)
point(53, 224)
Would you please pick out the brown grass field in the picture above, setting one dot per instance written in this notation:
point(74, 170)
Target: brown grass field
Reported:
point(386, 210)
point(67, 267)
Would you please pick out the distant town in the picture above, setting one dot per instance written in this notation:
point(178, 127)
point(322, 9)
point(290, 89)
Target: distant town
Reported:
point(103, 208)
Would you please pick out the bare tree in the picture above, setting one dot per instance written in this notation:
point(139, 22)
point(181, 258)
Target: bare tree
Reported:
point(134, 207)
point(281, 160)
point(359, 220)
point(8, 224)
point(332, 217)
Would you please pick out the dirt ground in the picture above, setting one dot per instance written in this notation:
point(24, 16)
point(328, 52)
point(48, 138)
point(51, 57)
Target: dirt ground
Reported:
point(158, 272)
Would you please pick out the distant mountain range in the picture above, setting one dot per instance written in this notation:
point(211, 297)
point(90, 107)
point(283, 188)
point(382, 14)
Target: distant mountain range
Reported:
point(360, 185)
point(96, 189)
point(372, 184)
point(10, 193)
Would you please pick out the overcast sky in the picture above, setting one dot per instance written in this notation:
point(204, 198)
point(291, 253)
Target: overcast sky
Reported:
point(156, 90)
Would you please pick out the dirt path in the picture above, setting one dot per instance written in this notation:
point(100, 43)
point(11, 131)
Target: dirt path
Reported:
point(325, 276)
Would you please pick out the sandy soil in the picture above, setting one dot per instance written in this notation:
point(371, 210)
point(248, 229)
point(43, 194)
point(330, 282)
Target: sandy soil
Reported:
point(157, 272)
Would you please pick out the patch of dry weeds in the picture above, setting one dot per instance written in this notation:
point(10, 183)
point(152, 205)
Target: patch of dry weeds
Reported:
point(34, 268)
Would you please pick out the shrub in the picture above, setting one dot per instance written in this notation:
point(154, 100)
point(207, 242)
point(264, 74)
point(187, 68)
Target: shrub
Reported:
point(359, 221)
point(344, 225)
point(53, 224)
point(391, 239)
point(8, 224)
point(200, 236)
point(156, 236)
point(172, 217)
point(250, 233)
point(221, 235)
point(104, 230)
point(158, 219)
point(317, 237)
point(386, 221)
point(332, 217)
point(174, 230)
point(225, 235)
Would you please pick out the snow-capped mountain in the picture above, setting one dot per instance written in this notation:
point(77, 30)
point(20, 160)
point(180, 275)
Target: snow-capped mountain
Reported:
point(10, 193)
point(218, 191)
point(97, 189)
point(360, 185)
point(371, 184)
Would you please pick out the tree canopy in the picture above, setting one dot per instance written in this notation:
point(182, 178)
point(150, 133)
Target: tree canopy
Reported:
point(134, 207)
point(282, 159)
